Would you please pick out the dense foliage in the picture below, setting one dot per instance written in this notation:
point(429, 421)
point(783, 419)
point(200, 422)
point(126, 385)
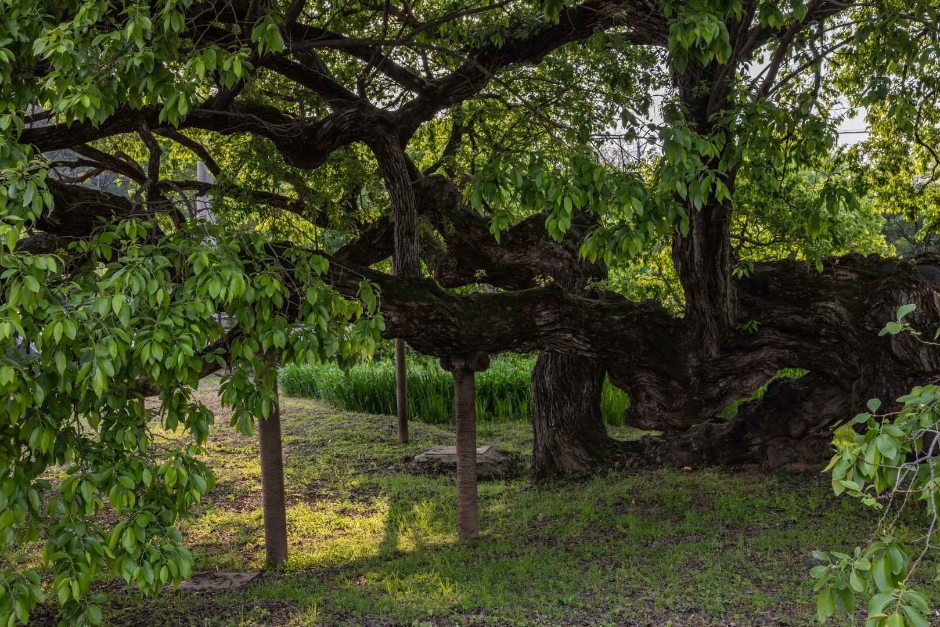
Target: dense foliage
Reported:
point(146, 318)
point(891, 465)
point(319, 119)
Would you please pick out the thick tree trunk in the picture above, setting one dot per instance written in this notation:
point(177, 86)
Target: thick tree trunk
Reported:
point(272, 486)
point(394, 165)
point(570, 436)
point(790, 428)
point(703, 263)
point(401, 389)
point(702, 257)
point(465, 394)
point(829, 324)
point(825, 322)
point(406, 261)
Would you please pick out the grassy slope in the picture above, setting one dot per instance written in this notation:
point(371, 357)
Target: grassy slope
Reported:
point(373, 543)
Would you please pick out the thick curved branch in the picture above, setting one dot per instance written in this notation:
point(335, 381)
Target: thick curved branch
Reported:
point(117, 163)
point(242, 117)
point(465, 251)
point(394, 166)
point(304, 145)
point(437, 322)
point(301, 37)
point(335, 95)
point(80, 210)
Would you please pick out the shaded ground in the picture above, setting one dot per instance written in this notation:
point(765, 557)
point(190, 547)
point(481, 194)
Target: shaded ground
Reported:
point(373, 541)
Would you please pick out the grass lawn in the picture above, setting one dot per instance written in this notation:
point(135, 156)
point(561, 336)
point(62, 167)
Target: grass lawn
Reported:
point(373, 540)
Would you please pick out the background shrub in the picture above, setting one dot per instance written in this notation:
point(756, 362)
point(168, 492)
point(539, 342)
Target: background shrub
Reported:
point(504, 391)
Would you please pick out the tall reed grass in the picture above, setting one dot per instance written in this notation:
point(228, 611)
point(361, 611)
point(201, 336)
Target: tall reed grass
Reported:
point(504, 391)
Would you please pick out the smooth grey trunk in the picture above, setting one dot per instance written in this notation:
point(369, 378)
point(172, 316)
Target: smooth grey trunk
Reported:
point(401, 389)
point(272, 485)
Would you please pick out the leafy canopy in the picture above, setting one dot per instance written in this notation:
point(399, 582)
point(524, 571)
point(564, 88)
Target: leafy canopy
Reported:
point(113, 296)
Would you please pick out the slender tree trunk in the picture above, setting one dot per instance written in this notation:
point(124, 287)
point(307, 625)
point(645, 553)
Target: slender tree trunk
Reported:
point(401, 390)
point(272, 486)
point(464, 369)
point(465, 393)
point(570, 436)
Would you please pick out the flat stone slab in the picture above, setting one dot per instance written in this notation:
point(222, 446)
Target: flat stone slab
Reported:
point(491, 462)
point(206, 582)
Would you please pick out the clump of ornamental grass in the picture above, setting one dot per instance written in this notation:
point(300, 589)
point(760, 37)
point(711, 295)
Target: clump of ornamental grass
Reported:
point(504, 391)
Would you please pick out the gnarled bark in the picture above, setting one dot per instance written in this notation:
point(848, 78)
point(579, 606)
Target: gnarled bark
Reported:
point(823, 322)
point(703, 263)
point(831, 322)
point(570, 436)
point(827, 323)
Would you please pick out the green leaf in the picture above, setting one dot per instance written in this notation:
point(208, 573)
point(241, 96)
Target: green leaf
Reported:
point(895, 620)
point(825, 604)
point(93, 614)
point(129, 540)
point(847, 600)
point(102, 305)
point(87, 491)
point(881, 572)
point(914, 617)
point(59, 362)
point(892, 328)
point(856, 582)
point(20, 610)
point(904, 310)
point(879, 602)
point(31, 283)
point(887, 445)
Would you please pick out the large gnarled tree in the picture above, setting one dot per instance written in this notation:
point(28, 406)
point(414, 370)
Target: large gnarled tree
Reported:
point(495, 142)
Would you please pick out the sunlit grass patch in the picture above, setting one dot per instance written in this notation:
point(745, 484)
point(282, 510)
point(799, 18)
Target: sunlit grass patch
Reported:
point(372, 538)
